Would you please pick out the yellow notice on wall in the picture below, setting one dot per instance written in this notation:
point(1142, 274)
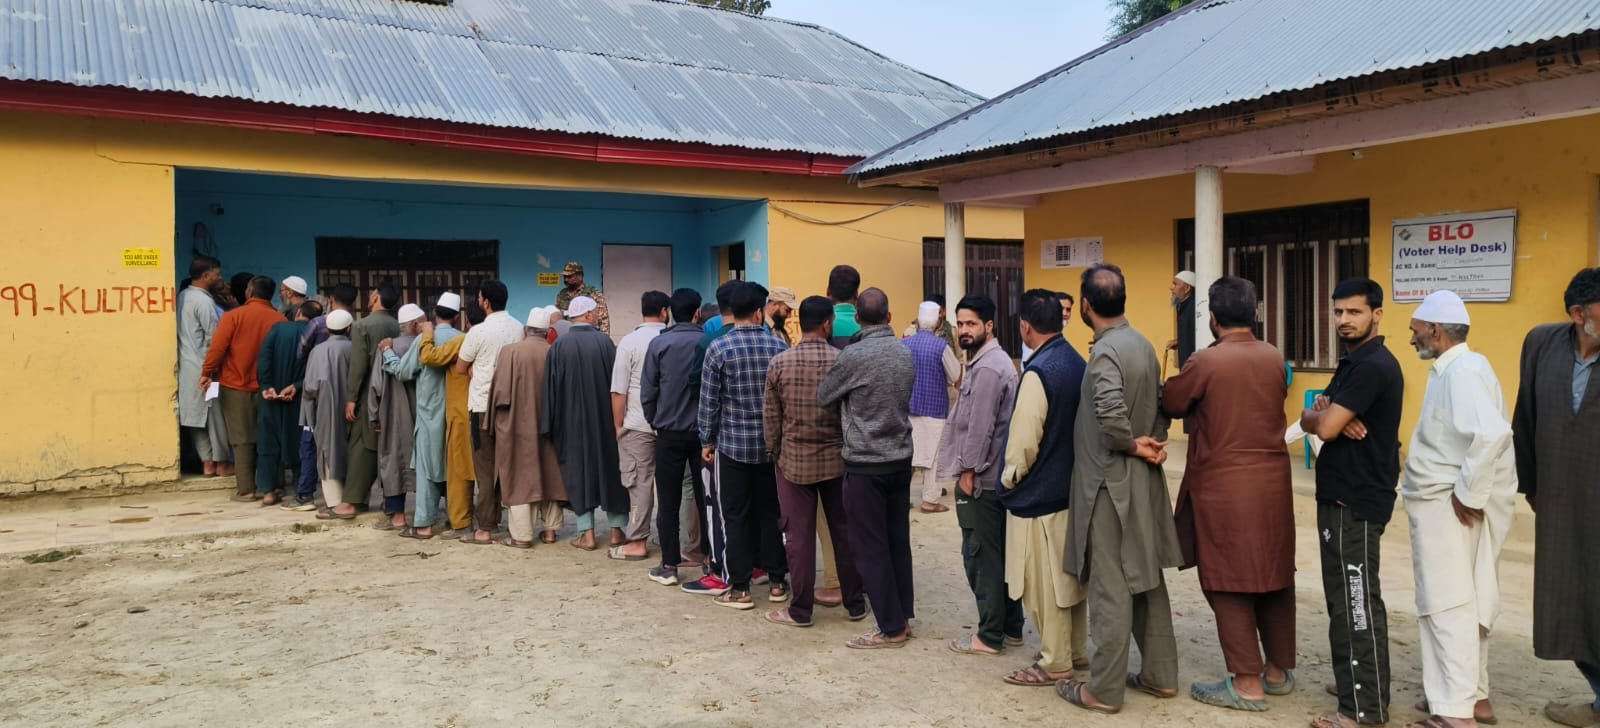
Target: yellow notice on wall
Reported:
point(549, 279)
point(141, 258)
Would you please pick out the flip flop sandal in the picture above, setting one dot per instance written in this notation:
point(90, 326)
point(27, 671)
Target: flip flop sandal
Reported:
point(1136, 681)
point(574, 543)
point(548, 537)
point(472, 540)
point(1278, 688)
point(963, 646)
point(1432, 721)
point(329, 514)
point(1327, 721)
point(875, 641)
point(783, 617)
point(1072, 692)
point(1222, 695)
point(386, 525)
point(1034, 676)
point(1422, 707)
point(615, 552)
point(411, 532)
point(513, 543)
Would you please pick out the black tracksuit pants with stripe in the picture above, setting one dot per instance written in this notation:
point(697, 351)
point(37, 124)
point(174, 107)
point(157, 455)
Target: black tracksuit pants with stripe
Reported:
point(1358, 624)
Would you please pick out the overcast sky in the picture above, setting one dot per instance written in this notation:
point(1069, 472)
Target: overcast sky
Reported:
point(985, 46)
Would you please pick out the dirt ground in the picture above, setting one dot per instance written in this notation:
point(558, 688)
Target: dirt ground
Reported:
point(348, 625)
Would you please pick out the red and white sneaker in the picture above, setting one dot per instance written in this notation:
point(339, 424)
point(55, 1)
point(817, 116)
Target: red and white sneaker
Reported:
point(710, 585)
point(758, 577)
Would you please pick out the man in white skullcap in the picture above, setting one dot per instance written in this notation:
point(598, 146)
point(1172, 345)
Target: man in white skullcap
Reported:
point(938, 369)
point(1183, 299)
point(525, 469)
point(1460, 487)
point(575, 415)
point(291, 293)
point(322, 409)
point(392, 408)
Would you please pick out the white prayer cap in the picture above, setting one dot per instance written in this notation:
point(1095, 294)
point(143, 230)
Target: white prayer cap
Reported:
point(580, 306)
point(1443, 307)
point(928, 315)
point(296, 284)
point(450, 300)
point(539, 317)
point(409, 312)
point(340, 320)
point(1187, 276)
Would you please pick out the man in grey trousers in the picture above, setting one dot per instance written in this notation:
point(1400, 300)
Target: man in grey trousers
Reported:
point(870, 384)
point(1122, 532)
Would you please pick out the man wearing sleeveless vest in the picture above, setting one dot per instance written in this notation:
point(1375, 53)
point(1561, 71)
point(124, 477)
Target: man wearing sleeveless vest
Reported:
point(938, 370)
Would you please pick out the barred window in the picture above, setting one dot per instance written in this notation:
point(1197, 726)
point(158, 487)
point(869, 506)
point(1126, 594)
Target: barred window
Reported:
point(1295, 256)
point(423, 269)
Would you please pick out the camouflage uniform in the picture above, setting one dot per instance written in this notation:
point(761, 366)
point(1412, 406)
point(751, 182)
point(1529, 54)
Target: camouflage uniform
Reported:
point(565, 296)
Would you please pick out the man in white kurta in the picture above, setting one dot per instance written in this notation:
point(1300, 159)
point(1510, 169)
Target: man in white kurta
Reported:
point(1460, 487)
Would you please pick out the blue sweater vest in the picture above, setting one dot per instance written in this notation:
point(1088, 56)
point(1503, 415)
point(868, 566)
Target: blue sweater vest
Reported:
point(1047, 488)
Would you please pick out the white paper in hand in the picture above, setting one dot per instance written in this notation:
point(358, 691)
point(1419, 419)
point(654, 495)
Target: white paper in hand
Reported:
point(213, 391)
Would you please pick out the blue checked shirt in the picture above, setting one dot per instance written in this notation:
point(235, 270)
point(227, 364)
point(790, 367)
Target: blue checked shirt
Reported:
point(733, 384)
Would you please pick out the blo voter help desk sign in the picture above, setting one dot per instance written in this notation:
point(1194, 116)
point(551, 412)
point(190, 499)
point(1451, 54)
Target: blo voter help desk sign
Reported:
point(1471, 254)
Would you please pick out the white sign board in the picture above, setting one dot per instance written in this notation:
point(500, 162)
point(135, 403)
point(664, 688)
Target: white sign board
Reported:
point(1471, 253)
point(1072, 252)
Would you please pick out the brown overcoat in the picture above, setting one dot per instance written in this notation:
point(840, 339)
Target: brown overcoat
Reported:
point(1235, 511)
point(524, 462)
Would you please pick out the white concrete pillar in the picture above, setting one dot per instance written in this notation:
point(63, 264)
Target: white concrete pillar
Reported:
point(1207, 247)
point(955, 254)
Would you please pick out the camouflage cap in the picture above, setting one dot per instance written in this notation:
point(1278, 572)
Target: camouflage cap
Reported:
point(573, 267)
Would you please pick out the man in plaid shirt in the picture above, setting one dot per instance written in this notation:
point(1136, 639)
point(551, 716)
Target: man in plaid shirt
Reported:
point(733, 382)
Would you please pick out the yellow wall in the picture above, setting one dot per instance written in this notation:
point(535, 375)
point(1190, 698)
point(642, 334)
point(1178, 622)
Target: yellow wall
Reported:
point(886, 248)
point(93, 402)
point(1546, 171)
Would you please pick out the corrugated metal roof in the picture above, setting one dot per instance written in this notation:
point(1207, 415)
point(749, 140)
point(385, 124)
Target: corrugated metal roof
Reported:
point(1217, 52)
point(637, 69)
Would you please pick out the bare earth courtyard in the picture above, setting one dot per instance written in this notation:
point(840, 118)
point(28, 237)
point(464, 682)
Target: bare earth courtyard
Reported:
point(347, 625)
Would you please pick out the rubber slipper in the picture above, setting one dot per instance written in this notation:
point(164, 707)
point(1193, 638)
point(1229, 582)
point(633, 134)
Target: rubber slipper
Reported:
point(615, 552)
point(329, 514)
point(934, 508)
point(1432, 721)
point(1278, 688)
point(1072, 692)
point(963, 646)
point(574, 544)
point(513, 543)
point(1136, 681)
point(472, 539)
point(412, 532)
point(386, 525)
point(1222, 695)
point(548, 537)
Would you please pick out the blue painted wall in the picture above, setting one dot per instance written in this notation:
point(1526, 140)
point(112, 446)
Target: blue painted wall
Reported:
point(268, 225)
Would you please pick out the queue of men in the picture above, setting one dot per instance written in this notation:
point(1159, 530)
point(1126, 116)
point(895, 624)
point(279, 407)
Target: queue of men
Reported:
point(786, 437)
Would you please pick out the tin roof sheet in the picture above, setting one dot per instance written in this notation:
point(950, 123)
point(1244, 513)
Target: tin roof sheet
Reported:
point(639, 69)
point(1217, 52)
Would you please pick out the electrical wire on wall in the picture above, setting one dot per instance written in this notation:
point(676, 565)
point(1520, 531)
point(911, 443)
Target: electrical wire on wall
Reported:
point(802, 217)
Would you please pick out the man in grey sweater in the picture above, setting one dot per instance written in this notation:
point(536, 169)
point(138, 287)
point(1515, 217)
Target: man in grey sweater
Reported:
point(870, 384)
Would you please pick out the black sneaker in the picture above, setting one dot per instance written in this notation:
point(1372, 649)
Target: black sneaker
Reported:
point(664, 575)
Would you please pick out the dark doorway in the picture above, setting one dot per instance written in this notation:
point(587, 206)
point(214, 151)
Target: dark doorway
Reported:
point(994, 269)
point(422, 269)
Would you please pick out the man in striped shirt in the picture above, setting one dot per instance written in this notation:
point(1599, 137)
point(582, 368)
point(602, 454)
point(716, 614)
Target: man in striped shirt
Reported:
point(733, 383)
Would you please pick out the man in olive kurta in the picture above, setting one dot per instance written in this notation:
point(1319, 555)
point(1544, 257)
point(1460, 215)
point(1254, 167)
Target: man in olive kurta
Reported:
point(280, 373)
point(1235, 511)
point(362, 451)
point(1122, 528)
point(1556, 431)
